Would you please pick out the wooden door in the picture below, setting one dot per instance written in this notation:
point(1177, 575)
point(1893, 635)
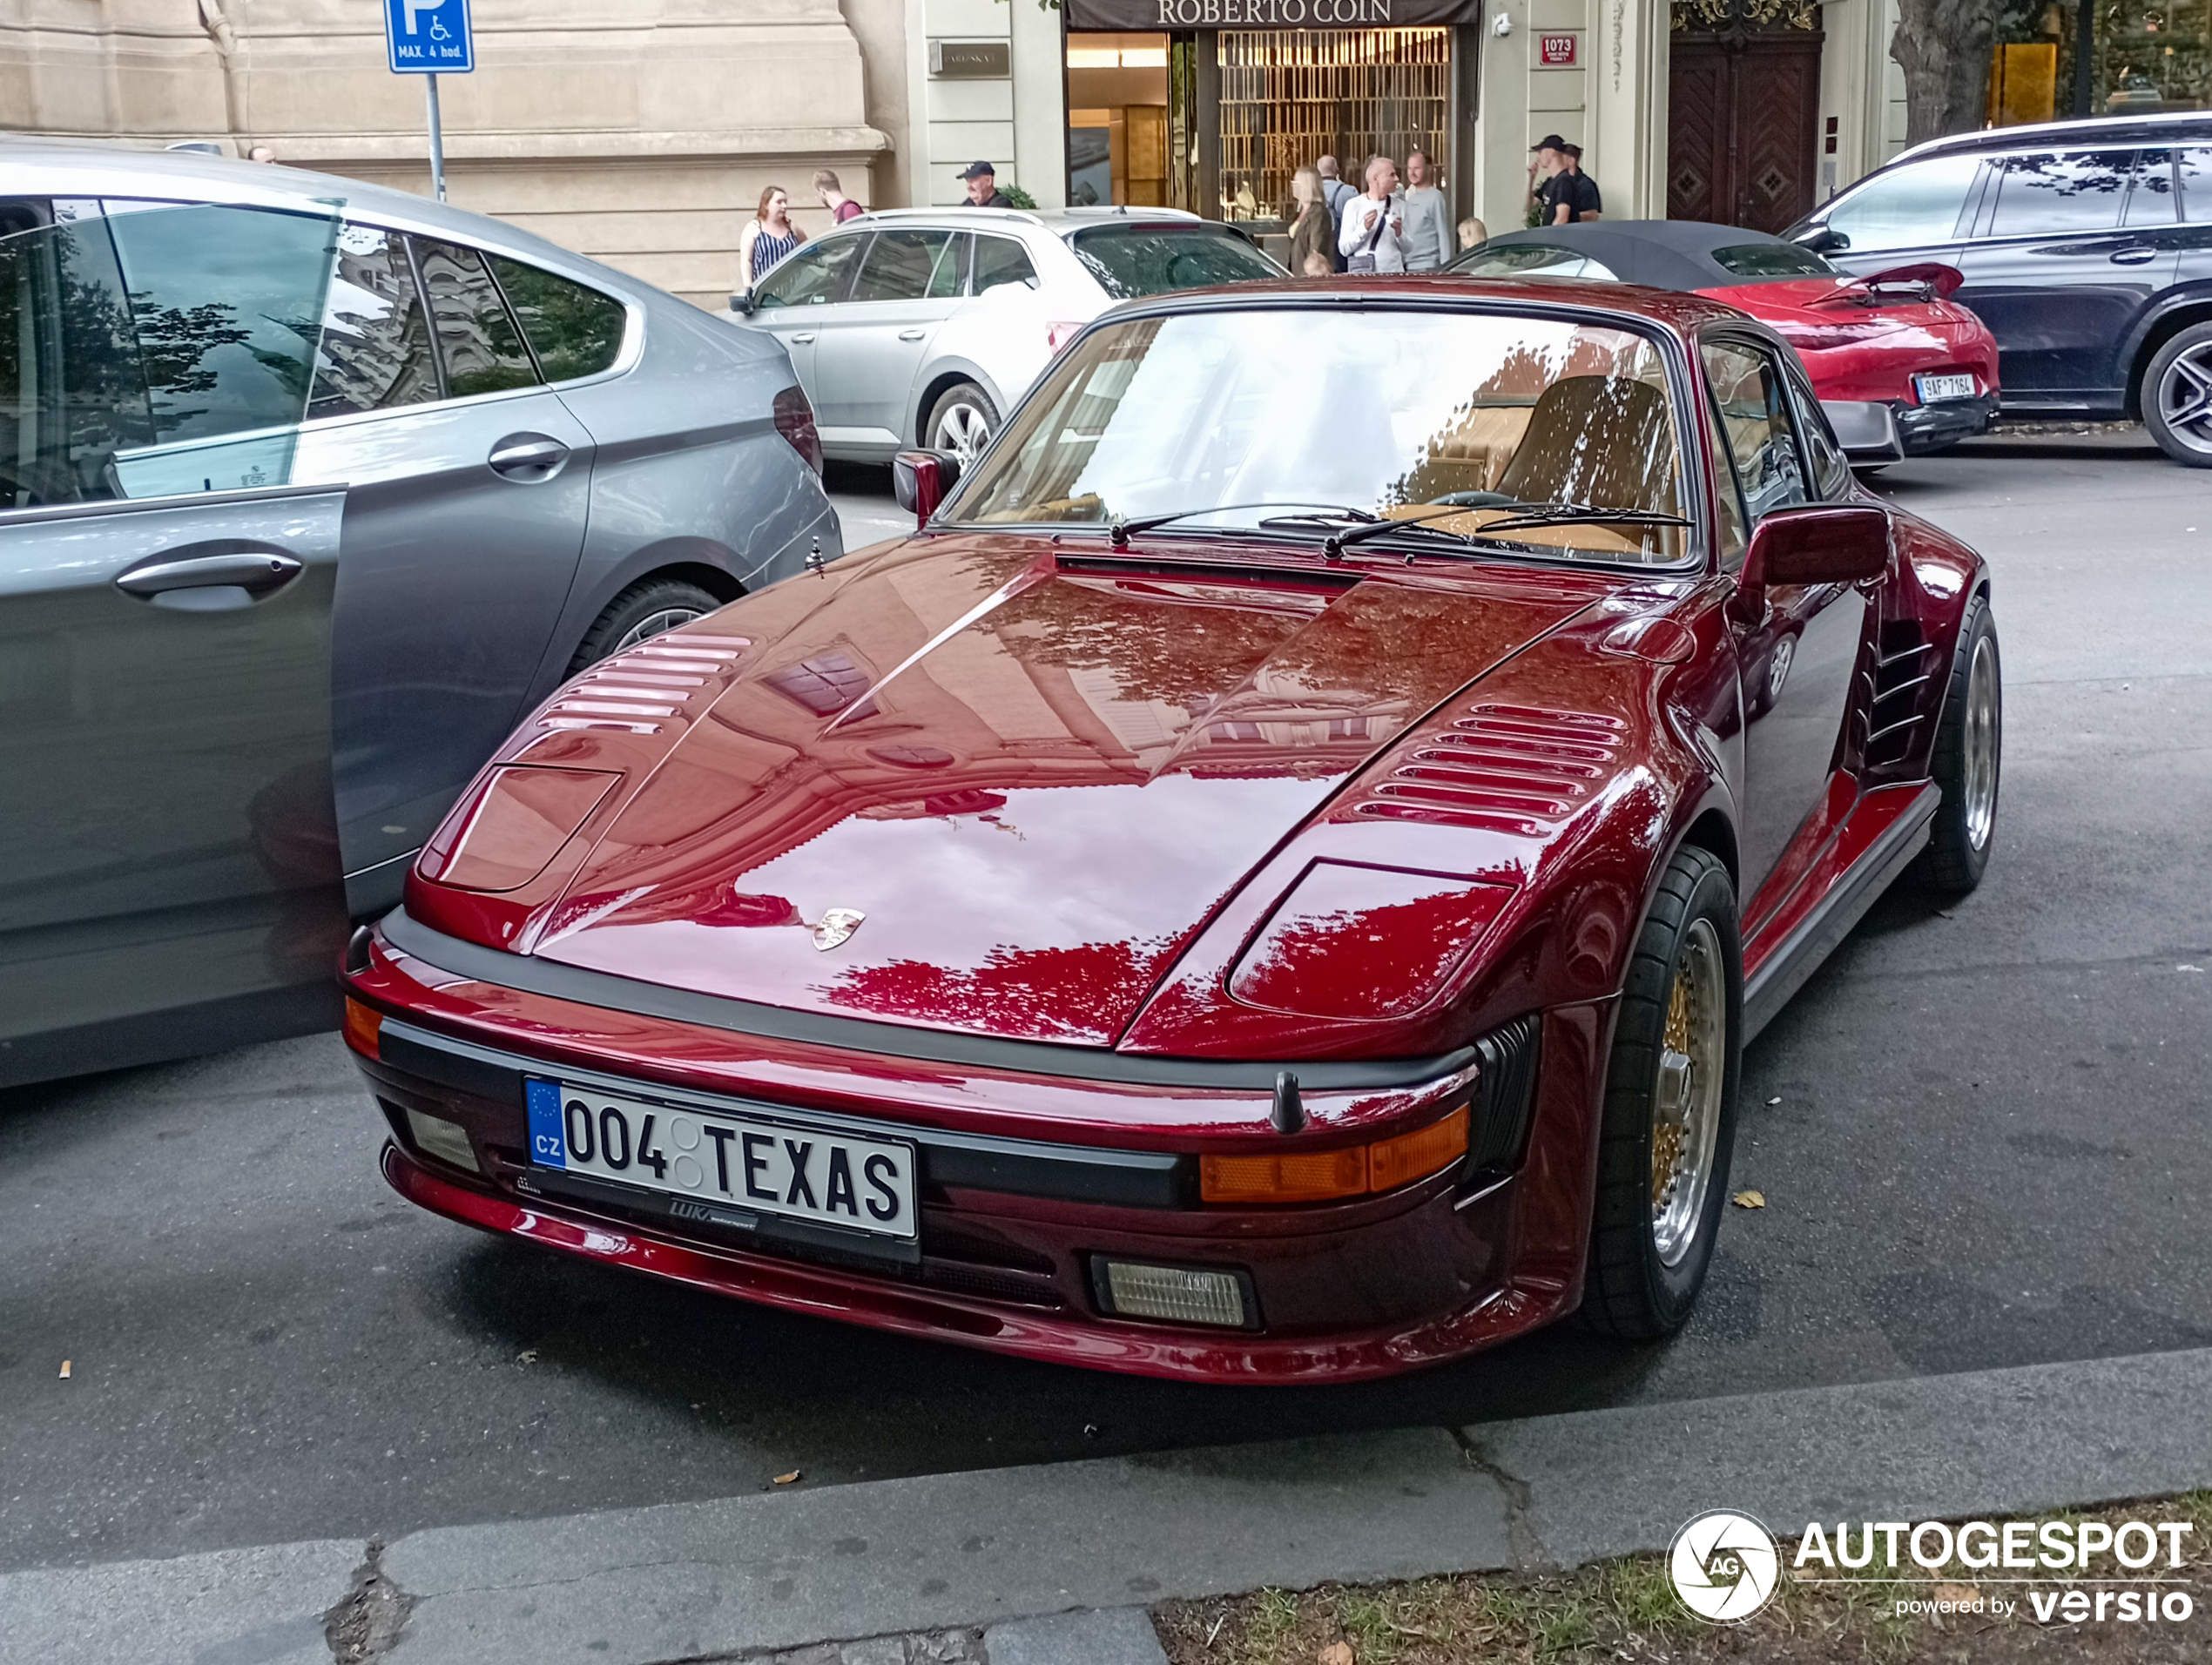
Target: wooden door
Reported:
point(1742, 125)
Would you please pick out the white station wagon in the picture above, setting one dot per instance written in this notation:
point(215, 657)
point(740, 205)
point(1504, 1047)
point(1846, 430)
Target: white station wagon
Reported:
point(923, 326)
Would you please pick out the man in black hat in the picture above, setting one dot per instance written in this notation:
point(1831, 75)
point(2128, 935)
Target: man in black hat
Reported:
point(1565, 194)
point(983, 181)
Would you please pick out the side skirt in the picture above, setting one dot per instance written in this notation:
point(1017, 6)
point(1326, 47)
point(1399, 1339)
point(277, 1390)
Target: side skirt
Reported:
point(1781, 971)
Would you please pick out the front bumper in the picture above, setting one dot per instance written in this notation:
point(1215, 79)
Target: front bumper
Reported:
point(1016, 1208)
point(1922, 429)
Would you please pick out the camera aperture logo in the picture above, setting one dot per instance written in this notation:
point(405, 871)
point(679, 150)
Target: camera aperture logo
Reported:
point(1724, 1566)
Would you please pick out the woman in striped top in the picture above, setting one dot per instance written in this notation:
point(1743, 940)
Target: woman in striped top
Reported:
point(768, 238)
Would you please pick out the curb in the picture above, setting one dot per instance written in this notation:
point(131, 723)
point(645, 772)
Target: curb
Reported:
point(1056, 1563)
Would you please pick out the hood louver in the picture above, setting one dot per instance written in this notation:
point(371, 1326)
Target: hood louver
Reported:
point(1514, 769)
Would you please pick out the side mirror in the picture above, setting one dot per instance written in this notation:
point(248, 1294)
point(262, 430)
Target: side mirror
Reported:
point(1818, 543)
point(742, 304)
point(1866, 430)
point(1820, 240)
point(921, 480)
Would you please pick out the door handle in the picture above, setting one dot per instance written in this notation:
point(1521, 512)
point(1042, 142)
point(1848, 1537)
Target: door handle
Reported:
point(2134, 256)
point(528, 458)
point(911, 334)
point(802, 338)
point(258, 568)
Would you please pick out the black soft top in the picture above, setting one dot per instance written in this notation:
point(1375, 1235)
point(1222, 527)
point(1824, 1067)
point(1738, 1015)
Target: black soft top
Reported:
point(1663, 254)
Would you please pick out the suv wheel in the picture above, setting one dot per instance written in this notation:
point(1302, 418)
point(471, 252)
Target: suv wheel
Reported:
point(647, 608)
point(963, 422)
point(2177, 397)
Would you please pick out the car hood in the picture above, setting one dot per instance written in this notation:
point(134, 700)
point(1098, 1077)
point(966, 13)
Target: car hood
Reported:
point(962, 784)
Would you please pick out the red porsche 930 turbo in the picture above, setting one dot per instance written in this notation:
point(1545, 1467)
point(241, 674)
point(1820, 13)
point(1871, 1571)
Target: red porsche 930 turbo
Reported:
point(1270, 883)
point(1896, 338)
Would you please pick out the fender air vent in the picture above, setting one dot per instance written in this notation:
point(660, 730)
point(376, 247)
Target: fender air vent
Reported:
point(1514, 769)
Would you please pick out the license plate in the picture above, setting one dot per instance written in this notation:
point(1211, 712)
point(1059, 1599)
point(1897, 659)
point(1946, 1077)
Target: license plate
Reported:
point(724, 1161)
point(1932, 388)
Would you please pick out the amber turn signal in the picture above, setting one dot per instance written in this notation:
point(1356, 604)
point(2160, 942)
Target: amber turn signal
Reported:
point(1315, 1176)
point(364, 1028)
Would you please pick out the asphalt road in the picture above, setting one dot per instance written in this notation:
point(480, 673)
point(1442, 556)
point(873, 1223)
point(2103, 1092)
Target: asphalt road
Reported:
point(1984, 1135)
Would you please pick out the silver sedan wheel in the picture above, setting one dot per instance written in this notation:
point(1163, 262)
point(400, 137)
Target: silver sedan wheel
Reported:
point(964, 430)
point(1686, 1110)
point(653, 623)
point(2185, 398)
point(1981, 744)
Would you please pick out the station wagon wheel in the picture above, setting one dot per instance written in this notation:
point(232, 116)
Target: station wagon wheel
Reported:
point(1966, 760)
point(2177, 397)
point(963, 422)
point(644, 609)
point(1669, 1128)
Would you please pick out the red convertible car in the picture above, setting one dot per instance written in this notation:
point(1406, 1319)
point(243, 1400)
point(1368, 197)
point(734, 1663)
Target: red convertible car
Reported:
point(1895, 337)
point(1270, 883)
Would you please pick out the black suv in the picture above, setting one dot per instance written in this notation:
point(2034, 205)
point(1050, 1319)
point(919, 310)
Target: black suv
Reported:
point(2086, 247)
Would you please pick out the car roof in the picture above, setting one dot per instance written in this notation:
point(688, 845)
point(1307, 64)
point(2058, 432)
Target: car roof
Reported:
point(1058, 221)
point(1662, 253)
point(2089, 132)
point(1676, 310)
point(38, 168)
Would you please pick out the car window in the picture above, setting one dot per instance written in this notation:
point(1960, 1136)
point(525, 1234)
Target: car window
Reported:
point(2194, 167)
point(1755, 421)
point(1156, 259)
point(376, 347)
point(575, 330)
point(813, 277)
point(1728, 495)
point(1830, 468)
point(482, 349)
point(1772, 260)
point(909, 266)
point(2151, 200)
point(1000, 260)
point(1532, 260)
point(1916, 204)
point(158, 352)
point(2051, 193)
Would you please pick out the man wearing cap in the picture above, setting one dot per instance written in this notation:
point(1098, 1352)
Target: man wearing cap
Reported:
point(983, 181)
point(1566, 194)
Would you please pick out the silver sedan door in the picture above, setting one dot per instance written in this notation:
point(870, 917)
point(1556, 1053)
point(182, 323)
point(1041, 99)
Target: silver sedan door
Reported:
point(907, 285)
point(168, 865)
point(795, 302)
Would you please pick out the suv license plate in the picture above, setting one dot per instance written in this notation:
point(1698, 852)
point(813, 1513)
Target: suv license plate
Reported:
point(1933, 388)
point(766, 1165)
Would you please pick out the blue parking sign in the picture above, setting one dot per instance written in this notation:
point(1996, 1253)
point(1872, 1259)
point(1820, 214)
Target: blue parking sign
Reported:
point(429, 36)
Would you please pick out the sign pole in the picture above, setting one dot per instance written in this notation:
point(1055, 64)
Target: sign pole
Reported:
point(437, 140)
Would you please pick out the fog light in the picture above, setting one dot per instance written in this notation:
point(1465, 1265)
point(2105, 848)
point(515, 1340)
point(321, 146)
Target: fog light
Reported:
point(1179, 1294)
point(442, 1139)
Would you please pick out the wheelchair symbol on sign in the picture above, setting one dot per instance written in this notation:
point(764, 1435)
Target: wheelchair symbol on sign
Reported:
point(439, 32)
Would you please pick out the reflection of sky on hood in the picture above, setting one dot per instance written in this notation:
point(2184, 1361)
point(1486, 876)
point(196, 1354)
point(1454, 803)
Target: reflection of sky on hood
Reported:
point(1080, 865)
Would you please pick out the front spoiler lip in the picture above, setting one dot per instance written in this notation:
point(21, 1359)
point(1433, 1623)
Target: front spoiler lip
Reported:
point(1222, 1357)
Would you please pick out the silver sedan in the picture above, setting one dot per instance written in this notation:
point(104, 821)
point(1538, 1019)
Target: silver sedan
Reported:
point(308, 490)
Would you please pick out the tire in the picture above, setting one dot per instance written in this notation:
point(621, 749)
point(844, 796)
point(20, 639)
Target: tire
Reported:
point(2177, 397)
point(1680, 1023)
point(1967, 760)
point(961, 422)
point(647, 608)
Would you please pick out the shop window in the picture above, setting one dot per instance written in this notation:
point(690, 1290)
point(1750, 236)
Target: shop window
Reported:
point(2145, 57)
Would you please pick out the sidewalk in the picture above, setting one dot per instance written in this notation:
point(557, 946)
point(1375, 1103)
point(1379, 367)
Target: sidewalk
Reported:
point(1053, 1565)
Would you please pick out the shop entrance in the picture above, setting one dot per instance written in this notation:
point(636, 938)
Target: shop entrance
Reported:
point(1742, 112)
point(1217, 120)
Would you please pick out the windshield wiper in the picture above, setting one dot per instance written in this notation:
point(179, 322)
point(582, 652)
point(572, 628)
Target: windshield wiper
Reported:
point(1580, 515)
point(1118, 529)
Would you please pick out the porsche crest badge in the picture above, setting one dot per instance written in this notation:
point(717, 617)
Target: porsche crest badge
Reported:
point(837, 923)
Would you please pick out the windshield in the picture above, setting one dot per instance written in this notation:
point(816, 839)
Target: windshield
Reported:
point(1141, 258)
point(1531, 261)
point(1773, 260)
point(1239, 418)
